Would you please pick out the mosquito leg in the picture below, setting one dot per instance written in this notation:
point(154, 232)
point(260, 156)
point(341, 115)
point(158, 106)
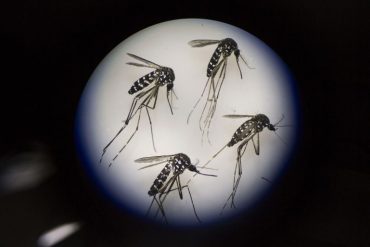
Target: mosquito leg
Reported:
point(256, 145)
point(239, 167)
point(111, 141)
point(192, 203)
point(209, 103)
point(150, 207)
point(205, 105)
point(151, 128)
point(137, 127)
point(237, 174)
point(132, 113)
point(179, 188)
point(160, 208)
point(215, 98)
point(204, 89)
point(178, 182)
point(169, 102)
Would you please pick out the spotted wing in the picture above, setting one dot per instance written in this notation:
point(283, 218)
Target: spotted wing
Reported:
point(148, 63)
point(203, 42)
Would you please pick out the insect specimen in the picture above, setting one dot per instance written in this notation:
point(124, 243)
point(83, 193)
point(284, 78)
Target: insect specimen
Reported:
point(217, 63)
point(147, 98)
point(248, 131)
point(163, 184)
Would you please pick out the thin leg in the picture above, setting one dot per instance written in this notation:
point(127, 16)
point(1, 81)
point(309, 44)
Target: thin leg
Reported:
point(150, 207)
point(257, 145)
point(197, 101)
point(111, 141)
point(169, 103)
point(132, 111)
point(216, 95)
point(164, 191)
point(178, 182)
point(210, 98)
point(192, 203)
point(239, 166)
point(160, 208)
point(237, 174)
point(129, 117)
point(191, 198)
point(137, 127)
point(151, 128)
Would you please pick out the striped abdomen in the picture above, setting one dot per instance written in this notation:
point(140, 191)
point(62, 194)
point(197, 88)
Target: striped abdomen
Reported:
point(161, 178)
point(178, 164)
point(143, 82)
point(214, 60)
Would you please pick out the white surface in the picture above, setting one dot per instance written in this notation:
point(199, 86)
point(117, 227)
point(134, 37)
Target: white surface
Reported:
point(265, 89)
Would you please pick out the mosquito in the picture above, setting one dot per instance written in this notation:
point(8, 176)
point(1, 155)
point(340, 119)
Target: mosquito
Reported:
point(218, 62)
point(145, 98)
point(248, 131)
point(164, 183)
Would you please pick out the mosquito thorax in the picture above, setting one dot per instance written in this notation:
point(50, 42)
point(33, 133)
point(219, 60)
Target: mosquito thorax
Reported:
point(228, 46)
point(262, 122)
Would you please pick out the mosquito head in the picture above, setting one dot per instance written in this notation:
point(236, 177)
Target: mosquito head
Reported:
point(169, 87)
point(271, 127)
point(237, 56)
point(170, 73)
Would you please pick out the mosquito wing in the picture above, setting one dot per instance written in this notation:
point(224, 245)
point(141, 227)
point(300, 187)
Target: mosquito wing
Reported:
point(203, 42)
point(237, 116)
point(149, 63)
point(160, 158)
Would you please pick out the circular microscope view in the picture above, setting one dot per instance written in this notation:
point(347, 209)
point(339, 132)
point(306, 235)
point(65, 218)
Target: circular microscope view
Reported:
point(188, 122)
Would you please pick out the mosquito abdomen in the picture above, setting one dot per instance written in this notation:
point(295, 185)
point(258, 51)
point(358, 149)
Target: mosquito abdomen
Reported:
point(143, 82)
point(242, 132)
point(159, 181)
point(214, 60)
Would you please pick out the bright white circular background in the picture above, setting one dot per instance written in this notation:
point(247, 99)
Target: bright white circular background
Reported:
point(105, 104)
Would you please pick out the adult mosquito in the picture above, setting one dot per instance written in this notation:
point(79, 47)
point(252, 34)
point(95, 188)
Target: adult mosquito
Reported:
point(248, 131)
point(165, 182)
point(147, 98)
point(217, 63)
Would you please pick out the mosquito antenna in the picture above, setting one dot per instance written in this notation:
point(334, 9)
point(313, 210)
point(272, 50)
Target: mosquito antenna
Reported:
point(249, 67)
point(281, 119)
point(285, 125)
point(281, 139)
point(173, 91)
